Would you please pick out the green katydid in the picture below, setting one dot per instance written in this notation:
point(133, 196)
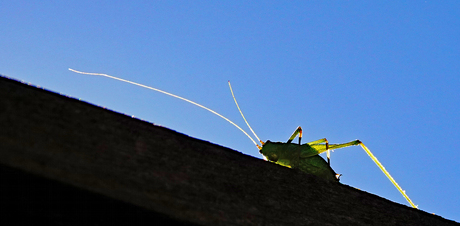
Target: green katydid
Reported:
point(304, 157)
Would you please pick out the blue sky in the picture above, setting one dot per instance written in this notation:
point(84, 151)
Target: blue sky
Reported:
point(385, 72)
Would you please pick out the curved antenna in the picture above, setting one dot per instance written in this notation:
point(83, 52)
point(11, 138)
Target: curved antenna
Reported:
point(169, 94)
point(231, 90)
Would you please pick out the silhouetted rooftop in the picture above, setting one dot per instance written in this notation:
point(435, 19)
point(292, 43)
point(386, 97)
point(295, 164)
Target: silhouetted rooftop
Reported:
point(65, 161)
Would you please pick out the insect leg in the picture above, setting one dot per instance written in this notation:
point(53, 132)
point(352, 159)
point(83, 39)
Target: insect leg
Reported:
point(387, 174)
point(324, 140)
point(323, 147)
point(327, 147)
point(297, 131)
point(344, 145)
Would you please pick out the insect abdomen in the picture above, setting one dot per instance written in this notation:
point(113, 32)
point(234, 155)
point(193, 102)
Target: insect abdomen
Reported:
point(318, 166)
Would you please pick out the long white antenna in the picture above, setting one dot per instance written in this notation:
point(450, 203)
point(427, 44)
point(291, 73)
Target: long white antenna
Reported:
point(231, 90)
point(169, 94)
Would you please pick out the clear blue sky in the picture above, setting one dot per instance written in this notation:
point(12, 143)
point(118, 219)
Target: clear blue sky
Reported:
point(385, 72)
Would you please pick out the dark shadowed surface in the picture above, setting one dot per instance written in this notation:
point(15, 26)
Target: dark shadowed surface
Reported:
point(27, 199)
point(65, 161)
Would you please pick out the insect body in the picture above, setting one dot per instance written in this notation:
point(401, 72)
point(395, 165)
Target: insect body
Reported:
point(304, 157)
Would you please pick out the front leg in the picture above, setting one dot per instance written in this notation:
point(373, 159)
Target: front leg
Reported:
point(297, 131)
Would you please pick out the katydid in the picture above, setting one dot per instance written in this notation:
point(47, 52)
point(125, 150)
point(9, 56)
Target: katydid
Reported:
point(304, 157)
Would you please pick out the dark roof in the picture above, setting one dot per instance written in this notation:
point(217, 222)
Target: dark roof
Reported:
point(62, 159)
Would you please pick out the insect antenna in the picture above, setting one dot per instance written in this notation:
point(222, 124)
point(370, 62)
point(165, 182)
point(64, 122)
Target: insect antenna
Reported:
point(169, 94)
point(231, 90)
